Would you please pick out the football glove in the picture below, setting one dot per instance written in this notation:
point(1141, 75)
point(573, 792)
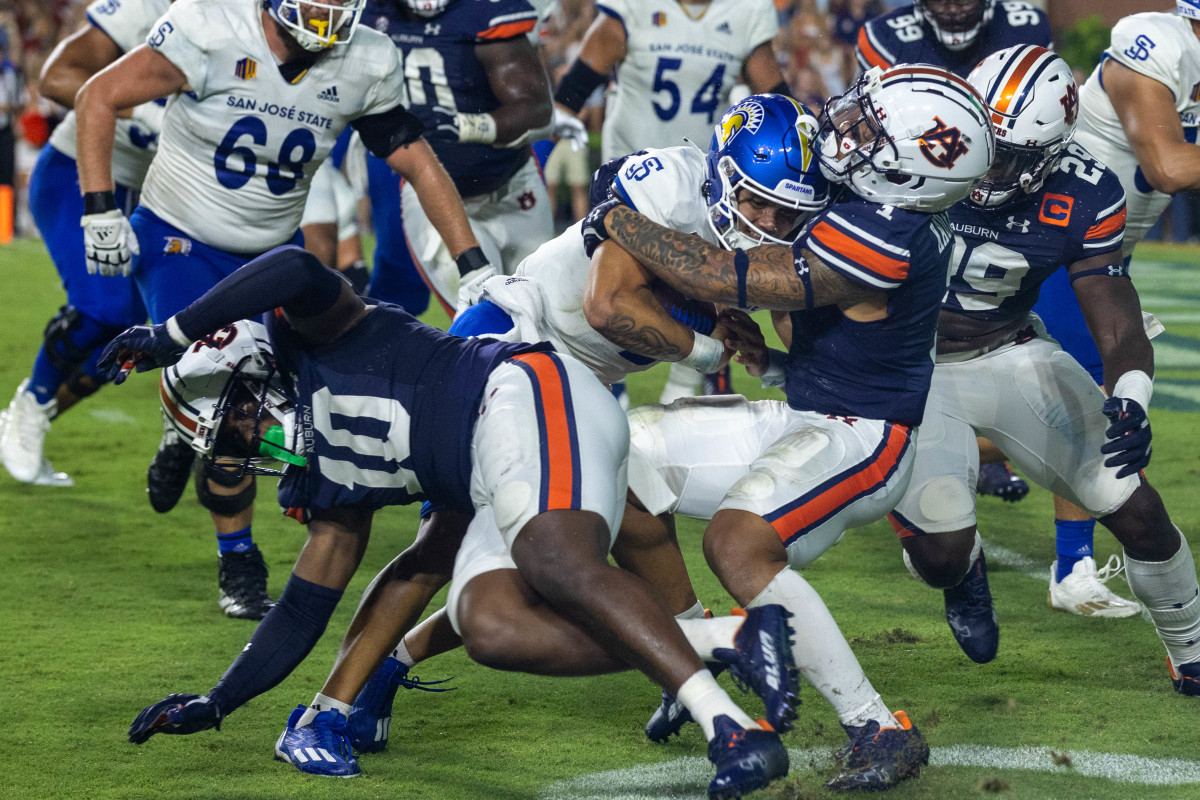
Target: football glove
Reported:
point(470, 286)
point(177, 714)
point(441, 124)
point(142, 347)
point(594, 232)
point(109, 243)
point(1129, 439)
point(566, 126)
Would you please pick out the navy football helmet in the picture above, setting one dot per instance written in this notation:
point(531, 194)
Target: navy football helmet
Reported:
point(226, 399)
point(318, 24)
point(765, 145)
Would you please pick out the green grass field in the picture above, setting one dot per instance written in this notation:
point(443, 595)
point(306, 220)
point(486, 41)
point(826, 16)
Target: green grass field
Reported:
point(109, 607)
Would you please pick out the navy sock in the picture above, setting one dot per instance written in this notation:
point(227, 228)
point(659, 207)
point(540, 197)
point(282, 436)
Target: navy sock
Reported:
point(280, 642)
point(1072, 541)
point(84, 342)
point(236, 542)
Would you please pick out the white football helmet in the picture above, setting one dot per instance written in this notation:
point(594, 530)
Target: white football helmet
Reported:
point(231, 374)
point(955, 23)
point(1034, 103)
point(913, 136)
point(318, 24)
point(427, 8)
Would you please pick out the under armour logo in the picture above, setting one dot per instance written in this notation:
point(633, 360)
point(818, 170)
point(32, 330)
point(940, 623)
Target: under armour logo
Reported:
point(433, 28)
point(526, 201)
point(1116, 270)
point(942, 145)
point(801, 266)
point(1013, 224)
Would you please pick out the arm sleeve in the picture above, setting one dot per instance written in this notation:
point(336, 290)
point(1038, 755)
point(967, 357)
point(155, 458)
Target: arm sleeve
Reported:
point(1148, 49)
point(383, 133)
point(287, 277)
point(180, 35)
point(856, 246)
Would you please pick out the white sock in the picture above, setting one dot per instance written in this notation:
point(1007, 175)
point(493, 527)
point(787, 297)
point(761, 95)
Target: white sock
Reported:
point(706, 635)
point(1168, 589)
point(822, 654)
point(681, 382)
point(701, 696)
point(695, 612)
point(322, 703)
point(402, 655)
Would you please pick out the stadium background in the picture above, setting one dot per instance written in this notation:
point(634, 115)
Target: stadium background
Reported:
point(108, 606)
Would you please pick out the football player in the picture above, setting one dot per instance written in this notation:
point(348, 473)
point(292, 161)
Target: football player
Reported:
point(261, 93)
point(758, 182)
point(998, 375)
point(954, 34)
point(782, 481)
point(97, 308)
point(371, 408)
point(475, 80)
point(330, 225)
point(675, 64)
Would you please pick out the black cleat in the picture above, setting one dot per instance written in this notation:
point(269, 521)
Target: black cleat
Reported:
point(997, 480)
point(971, 614)
point(879, 758)
point(746, 759)
point(169, 473)
point(243, 581)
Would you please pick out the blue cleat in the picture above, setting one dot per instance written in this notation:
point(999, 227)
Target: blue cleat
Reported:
point(971, 615)
point(879, 758)
point(371, 714)
point(1185, 677)
point(319, 748)
point(746, 759)
point(998, 480)
point(761, 661)
point(671, 716)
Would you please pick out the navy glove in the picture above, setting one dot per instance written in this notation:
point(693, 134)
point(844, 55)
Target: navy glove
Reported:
point(178, 713)
point(594, 232)
point(143, 347)
point(441, 124)
point(1128, 436)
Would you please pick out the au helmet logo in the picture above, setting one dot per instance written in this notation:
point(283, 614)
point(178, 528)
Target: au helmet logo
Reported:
point(1070, 104)
point(747, 115)
point(942, 145)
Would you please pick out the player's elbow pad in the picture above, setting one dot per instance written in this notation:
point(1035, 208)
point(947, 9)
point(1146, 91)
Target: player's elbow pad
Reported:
point(383, 134)
point(579, 82)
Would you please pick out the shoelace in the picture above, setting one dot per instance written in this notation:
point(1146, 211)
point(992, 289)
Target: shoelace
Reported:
point(413, 682)
point(1111, 569)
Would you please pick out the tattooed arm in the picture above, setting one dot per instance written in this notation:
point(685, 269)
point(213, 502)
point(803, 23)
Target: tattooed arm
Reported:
point(620, 305)
point(707, 272)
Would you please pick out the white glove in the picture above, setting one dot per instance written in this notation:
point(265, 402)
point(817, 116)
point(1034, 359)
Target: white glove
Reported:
point(564, 125)
point(109, 243)
point(470, 286)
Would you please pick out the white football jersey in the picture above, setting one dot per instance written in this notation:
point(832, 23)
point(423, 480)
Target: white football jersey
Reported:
point(1161, 46)
point(664, 185)
point(680, 62)
point(240, 147)
point(126, 22)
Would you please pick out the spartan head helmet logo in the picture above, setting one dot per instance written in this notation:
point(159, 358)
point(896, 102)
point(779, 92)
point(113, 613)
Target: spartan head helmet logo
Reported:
point(747, 115)
point(942, 145)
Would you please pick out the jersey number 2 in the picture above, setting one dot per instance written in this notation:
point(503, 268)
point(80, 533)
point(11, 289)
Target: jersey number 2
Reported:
point(705, 101)
point(282, 175)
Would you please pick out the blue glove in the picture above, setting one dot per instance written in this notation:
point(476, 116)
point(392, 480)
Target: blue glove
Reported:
point(143, 347)
point(594, 232)
point(1128, 436)
point(178, 713)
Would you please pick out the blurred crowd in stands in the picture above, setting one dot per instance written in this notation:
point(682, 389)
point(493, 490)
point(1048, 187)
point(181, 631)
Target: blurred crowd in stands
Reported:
point(815, 49)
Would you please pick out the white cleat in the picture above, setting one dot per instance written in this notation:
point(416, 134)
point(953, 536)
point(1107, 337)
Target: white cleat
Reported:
point(48, 477)
point(23, 435)
point(1083, 591)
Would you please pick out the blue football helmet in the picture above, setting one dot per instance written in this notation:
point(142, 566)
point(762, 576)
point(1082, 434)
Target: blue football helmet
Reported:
point(318, 24)
point(765, 145)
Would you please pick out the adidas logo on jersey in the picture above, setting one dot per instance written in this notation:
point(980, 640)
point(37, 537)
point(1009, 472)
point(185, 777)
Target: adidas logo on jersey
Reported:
point(329, 94)
point(724, 28)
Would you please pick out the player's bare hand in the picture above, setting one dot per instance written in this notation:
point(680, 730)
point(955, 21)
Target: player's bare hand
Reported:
point(741, 335)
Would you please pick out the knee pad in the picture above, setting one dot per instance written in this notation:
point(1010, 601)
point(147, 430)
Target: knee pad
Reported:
point(64, 354)
point(227, 505)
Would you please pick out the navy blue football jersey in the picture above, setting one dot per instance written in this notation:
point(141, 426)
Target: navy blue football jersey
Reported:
point(900, 37)
point(386, 412)
point(440, 69)
point(880, 369)
point(1002, 255)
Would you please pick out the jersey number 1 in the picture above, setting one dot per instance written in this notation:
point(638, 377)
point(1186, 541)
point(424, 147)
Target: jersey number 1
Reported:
point(705, 101)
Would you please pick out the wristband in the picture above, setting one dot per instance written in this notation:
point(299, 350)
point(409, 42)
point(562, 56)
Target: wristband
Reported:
point(176, 333)
point(98, 202)
point(705, 356)
point(577, 85)
point(470, 260)
point(1135, 385)
point(776, 369)
point(478, 128)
